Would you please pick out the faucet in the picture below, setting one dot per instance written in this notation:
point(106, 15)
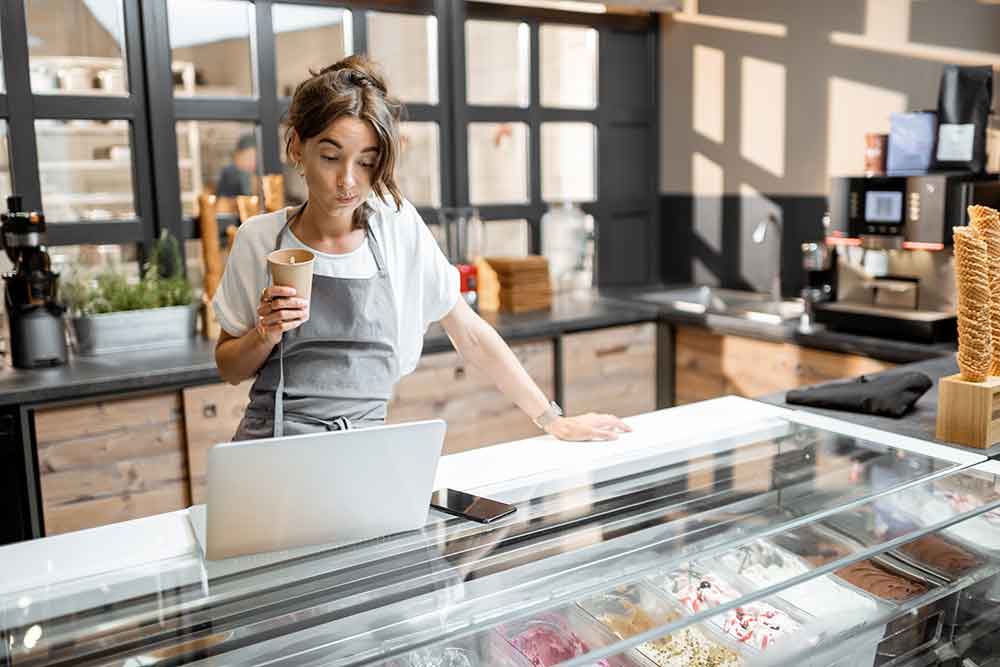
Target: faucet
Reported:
point(758, 236)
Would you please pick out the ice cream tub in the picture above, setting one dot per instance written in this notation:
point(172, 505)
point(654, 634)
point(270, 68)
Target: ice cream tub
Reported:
point(560, 634)
point(636, 608)
point(939, 556)
point(755, 626)
point(485, 649)
point(761, 564)
point(693, 587)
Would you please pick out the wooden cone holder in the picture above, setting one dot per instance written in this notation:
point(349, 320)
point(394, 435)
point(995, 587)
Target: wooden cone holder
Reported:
point(968, 413)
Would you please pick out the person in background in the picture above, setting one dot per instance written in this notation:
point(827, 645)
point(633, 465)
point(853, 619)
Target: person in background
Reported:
point(236, 178)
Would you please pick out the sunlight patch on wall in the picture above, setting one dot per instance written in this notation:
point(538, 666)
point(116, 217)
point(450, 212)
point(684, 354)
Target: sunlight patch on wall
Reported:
point(762, 114)
point(709, 93)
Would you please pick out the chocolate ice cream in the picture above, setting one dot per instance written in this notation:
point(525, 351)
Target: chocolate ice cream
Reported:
point(941, 554)
point(881, 583)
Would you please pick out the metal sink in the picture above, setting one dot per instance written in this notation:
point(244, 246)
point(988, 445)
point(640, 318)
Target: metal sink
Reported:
point(753, 306)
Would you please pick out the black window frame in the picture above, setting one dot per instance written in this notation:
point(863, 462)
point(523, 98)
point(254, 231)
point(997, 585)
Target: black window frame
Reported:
point(153, 111)
point(21, 108)
point(535, 114)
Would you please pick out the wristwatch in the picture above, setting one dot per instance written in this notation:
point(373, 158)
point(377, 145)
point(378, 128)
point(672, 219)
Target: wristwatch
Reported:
point(552, 413)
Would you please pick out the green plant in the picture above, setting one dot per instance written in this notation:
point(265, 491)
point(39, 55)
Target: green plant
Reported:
point(162, 284)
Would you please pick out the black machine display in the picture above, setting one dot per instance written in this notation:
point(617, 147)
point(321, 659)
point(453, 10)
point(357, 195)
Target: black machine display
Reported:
point(469, 506)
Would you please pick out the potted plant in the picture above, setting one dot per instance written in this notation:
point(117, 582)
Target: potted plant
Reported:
point(110, 313)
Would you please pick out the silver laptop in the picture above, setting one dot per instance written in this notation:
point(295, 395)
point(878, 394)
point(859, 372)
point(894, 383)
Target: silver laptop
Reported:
point(340, 486)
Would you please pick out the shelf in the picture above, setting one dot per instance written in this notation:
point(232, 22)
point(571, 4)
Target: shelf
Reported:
point(98, 165)
point(97, 198)
point(94, 127)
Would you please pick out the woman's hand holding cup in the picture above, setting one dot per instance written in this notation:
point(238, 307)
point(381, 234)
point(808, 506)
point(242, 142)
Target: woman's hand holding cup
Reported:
point(279, 311)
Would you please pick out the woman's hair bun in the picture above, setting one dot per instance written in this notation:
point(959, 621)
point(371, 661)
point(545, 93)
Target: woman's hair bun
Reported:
point(357, 70)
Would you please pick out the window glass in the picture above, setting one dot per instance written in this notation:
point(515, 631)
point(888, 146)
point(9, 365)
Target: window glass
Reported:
point(76, 47)
point(89, 260)
point(405, 46)
point(506, 238)
point(295, 185)
point(568, 63)
point(5, 184)
point(210, 47)
point(85, 168)
point(498, 163)
point(497, 56)
point(307, 38)
point(418, 172)
point(569, 152)
point(219, 157)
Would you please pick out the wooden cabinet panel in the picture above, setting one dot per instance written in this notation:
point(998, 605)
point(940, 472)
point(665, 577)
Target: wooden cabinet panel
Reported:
point(111, 461)
point(443, 386)
point(710, 365)
point(610, 370)
point(212, 412)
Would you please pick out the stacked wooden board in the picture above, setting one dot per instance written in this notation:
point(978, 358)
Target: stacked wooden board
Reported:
point(514, 284)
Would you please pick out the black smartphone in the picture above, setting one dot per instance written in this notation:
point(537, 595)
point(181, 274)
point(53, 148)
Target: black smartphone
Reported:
point(469, 506)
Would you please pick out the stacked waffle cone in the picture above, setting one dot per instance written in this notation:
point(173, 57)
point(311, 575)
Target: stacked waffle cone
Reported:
point(974, 269)
point(986, 221)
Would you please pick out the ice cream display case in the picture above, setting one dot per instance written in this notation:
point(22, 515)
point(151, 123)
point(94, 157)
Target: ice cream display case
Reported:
point(767, 537)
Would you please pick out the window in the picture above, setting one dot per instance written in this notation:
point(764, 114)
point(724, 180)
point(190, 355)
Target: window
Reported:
point(418, 172)
point(568, 61)
point(216, 156)
point(569, 159)
point(406, 48)
point(76, 47)
point(214, 78)
point(85, 169)
point(497, 57)
point(307, 37)
point(5, 183)
point(210, 47)
point(498, 163)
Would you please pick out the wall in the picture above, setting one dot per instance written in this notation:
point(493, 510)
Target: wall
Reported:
point(762, 102)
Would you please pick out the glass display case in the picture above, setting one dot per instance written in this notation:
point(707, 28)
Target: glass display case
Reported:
point(792, 540)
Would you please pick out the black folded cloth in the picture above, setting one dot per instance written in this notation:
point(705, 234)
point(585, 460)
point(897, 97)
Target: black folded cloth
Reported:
point(885, 395)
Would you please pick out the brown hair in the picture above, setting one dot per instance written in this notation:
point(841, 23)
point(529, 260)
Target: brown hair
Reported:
point(350, 87)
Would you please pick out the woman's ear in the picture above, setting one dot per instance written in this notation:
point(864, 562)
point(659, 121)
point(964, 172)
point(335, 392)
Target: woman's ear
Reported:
point(295, 150)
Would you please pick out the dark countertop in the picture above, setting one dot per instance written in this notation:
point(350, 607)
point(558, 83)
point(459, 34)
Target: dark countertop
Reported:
point(893, 351)
point(918, 423)
point(194, 363)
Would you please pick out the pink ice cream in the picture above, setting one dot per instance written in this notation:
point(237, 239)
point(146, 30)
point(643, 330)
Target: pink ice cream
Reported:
point(545, 644)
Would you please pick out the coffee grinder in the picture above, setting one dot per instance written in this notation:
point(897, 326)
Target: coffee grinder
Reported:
point(37, 337)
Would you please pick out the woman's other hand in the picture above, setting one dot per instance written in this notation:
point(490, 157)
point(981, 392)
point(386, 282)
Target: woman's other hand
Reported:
point(279, 311)
point(588, 427)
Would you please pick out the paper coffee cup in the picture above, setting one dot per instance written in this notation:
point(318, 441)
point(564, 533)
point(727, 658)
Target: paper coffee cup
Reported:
point(293, 267)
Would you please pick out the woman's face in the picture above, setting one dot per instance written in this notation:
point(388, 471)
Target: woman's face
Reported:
point(339, 164)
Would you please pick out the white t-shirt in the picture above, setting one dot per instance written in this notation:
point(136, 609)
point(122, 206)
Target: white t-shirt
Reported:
point(425, 285)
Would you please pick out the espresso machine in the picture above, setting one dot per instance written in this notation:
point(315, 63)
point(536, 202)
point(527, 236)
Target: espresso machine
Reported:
point(895, 272)
point(37, 337)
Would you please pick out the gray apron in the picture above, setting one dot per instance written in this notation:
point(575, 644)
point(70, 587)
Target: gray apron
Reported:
point(336, 370)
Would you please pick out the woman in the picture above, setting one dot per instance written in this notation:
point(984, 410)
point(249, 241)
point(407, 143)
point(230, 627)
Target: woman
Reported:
point(379, 281)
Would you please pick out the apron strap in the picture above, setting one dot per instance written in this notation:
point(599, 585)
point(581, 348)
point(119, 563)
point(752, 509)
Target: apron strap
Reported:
point(279, 393)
